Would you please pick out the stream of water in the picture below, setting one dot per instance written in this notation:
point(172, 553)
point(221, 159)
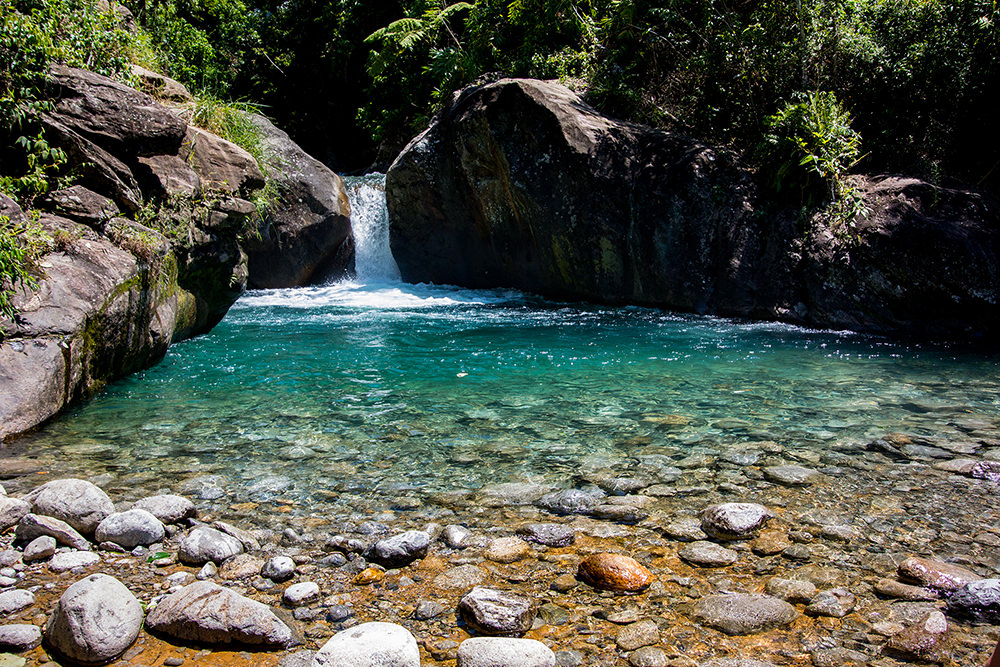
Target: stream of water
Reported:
point(344, 398)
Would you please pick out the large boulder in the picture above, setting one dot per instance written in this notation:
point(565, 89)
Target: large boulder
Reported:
point(78, 502)
point(370, 645)
point(206, 612)
point(306, 235)
point(520, 184)
point(95, 620)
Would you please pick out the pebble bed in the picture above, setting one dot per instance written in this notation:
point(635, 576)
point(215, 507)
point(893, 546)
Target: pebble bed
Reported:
point(822, 574)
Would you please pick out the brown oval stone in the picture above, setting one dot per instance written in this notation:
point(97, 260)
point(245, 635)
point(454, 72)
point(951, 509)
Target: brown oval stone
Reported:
point(367, 576)
point(614, 572)
point(936, 574)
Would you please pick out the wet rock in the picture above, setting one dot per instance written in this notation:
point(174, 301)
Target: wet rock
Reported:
point(564, 582)
point(622, 486)
point(707, 554)
point(245, 537)
point(299, 594)
point(549, 534)
point(571, 501)
point(205, 544)
point(736, 662)
point(835, 603)
point(734, 521)
point(504, 652)
point(743, 614)
point(637, 635)
point(614, 572)
point(790, 475)
point(463, 576)
point(790, 590)
point(32, 526)
point(838, 657)
point(95, 620)
point(511, 493)
point(77, 502)
point(279, 569)
point(769, 543)
point(401, 549)
point(19, 637)
point(797, 552)
point(240, 566)
point(455, 536)
point(927, 640)
point(338, 613)
point(978, 601)
point(507, 550)
point(684, 529)
point(14, 601)
point(495, 612)
point(70, 560)
point(986, 470)
point(206, 612)
point(168, 508)
point(370, 645)
point(619, 513)
point(130, 529)
point(39, 548)
point(894, 589)
point(12, 510)
point(428, 609)
point(936, 574)
point(369, 575)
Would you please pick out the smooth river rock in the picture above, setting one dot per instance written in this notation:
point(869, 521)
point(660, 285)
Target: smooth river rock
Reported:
point(167, 508)
point(978, 601)
point(15, 600)
point(39, 548)
point(33, 526)
point(504, 652)
point(19, 637)
point(742, 613)
point(130, 529)
point(495, 612)
point(370, 645)
point(548, 534)
point(507, 550)
point(279, 569)
point(734, 521)
point(206, 612)
point(11, 511)
point(204, 544)
point(77, 502)
point(614, 572)
point(402, 549)
point(95, 620)
point(707, 554)
point(935, 574)
point(70, 560)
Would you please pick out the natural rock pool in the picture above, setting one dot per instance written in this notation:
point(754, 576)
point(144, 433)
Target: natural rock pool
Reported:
point(361, 397)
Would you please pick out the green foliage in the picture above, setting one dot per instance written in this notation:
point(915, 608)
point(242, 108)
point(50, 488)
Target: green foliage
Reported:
point(233, 122)
point(21, 245)
point(811, 142)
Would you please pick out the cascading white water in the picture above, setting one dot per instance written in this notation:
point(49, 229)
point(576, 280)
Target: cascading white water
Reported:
point(370, 223)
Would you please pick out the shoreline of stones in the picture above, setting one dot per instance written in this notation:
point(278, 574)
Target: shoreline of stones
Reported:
point(98, 618)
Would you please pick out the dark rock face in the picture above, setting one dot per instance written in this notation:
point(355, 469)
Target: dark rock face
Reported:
point(307, 233)
point(520, 184)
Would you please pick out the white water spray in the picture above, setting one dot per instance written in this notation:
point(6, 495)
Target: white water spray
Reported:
point(373, 260)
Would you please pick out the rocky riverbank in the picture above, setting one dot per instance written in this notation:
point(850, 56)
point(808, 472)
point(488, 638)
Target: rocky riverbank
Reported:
point(163, 228)
point(862, 555)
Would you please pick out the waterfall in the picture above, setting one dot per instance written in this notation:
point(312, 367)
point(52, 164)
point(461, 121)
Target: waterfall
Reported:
point(373, 260)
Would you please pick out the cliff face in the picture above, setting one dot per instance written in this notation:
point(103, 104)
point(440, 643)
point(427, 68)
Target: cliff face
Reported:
point(147, 247)
point(521, 184)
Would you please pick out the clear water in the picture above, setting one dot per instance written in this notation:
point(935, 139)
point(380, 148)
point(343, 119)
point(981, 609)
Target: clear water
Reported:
point(346, 398)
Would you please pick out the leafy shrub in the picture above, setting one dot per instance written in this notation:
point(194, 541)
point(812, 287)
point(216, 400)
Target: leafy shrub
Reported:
point(810, 145)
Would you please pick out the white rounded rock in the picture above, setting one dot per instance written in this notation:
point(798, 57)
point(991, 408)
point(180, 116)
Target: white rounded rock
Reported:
point(205, 544)
point(95, 620)
point(167, 508)
point(69, 560)
point(19, 637)
point(370, 645)
point(297, 595)
point(39, 548)
point(130, 529)
point(279, 568)
point(77, 502)
point(14, 601)
point(504, 652)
